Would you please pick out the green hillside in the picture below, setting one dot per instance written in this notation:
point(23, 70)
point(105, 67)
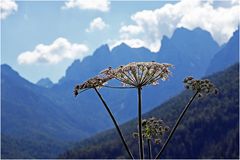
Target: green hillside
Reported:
point(12, 147)
point(210, 128)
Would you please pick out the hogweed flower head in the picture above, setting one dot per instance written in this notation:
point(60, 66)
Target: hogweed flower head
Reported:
point(203, 87)
point(139, 74)
point(95, 82)
point(153, 129)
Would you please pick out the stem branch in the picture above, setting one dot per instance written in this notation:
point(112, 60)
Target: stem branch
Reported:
point(149, 149)
point(176, 125)
point(140, 139)
point(115, 123)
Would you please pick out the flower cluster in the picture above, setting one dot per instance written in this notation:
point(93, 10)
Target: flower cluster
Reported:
point(203, 87)
point(95, 82)
point(153, 129)
point(139, 74)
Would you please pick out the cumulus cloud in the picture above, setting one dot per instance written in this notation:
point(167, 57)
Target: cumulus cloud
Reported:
point(131, 29)
point(127, 30)
point(96, 24)
point(54, 53)
point(7, 7)
point(100, 5)
point(150, 25)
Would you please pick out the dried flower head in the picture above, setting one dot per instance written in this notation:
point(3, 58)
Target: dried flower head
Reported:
point(95, 82)
point(139, 74)
point(153, 129)
point(203, 87)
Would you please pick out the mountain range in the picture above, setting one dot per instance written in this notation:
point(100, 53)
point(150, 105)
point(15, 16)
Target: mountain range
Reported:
point(228, 55)
point(31, 112)
point(45, 82)
point(187, 60)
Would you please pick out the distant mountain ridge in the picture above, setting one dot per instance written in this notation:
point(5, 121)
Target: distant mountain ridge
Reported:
point(189, 51)
point(45, 82)
point(36, 115)
point(201, 42)
point(27, 108)
point(227, 56)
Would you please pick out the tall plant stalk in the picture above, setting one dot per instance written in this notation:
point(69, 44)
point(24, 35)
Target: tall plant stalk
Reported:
point(176, 125)
point(149, 149)
point(115, 123)
point(140, 139)
point(138, 75)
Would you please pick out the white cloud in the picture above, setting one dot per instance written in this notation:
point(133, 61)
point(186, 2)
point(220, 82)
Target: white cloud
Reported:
point(151, 25)
point(100, 5)
point(54, 53)
point(96, 24)
point(7, 7)
point(132, 29)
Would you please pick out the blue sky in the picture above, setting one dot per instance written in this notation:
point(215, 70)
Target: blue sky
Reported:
point(41, 39)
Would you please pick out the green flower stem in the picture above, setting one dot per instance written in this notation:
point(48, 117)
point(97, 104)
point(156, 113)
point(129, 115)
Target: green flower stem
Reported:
point(176, 125)
point(149, 149)
point(115, 123)
point(140, 138)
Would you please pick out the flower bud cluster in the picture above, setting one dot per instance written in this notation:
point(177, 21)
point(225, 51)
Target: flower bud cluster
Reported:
point(95, 82)
point(153, 129)
point(203, 87)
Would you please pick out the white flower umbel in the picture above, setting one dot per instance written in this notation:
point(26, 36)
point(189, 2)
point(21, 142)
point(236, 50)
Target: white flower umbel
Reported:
point(139, 74)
